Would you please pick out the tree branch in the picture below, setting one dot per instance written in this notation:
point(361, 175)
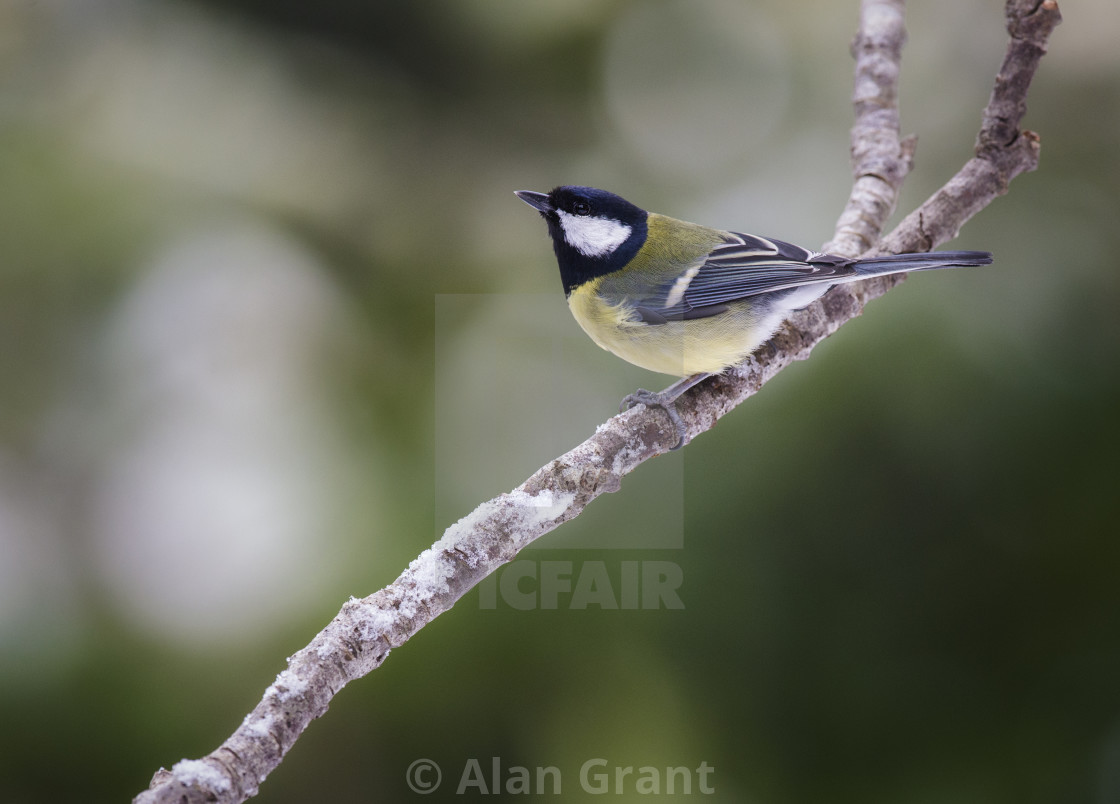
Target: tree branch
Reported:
point(880, 160)
point(1003, 151)
point(360, 637)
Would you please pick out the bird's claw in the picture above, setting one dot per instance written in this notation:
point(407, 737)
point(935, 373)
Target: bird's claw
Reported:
point(639, 397)
point(657, 400)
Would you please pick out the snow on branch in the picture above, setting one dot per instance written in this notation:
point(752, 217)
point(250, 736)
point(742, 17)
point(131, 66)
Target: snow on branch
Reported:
point(360, 637)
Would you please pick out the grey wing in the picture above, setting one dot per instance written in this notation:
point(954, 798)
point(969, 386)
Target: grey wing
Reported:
point(746, 266)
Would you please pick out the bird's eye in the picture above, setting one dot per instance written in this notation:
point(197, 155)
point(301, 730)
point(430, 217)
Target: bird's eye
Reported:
point(581, 208)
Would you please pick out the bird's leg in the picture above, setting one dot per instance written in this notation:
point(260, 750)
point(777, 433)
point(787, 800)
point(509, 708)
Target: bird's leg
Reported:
point(666, 400)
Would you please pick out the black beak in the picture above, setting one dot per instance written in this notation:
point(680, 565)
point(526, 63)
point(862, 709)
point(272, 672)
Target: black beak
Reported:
point(538, 201)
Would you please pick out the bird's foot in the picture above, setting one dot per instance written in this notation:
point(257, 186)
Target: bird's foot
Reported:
point(666, 402)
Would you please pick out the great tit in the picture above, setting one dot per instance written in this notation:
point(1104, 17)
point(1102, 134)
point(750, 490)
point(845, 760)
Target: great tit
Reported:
point(683, 299)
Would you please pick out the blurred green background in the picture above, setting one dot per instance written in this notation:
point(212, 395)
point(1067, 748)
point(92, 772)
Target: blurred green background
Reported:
point(271, 319)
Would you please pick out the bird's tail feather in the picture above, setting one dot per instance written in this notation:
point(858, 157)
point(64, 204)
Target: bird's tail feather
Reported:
point(898, 263)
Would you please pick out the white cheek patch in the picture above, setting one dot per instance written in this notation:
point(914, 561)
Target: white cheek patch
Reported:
point(593, 237)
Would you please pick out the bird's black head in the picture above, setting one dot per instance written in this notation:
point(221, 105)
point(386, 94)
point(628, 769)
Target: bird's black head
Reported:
point(593, 232)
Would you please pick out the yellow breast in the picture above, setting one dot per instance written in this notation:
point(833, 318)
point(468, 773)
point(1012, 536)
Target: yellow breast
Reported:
point(679, 348)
